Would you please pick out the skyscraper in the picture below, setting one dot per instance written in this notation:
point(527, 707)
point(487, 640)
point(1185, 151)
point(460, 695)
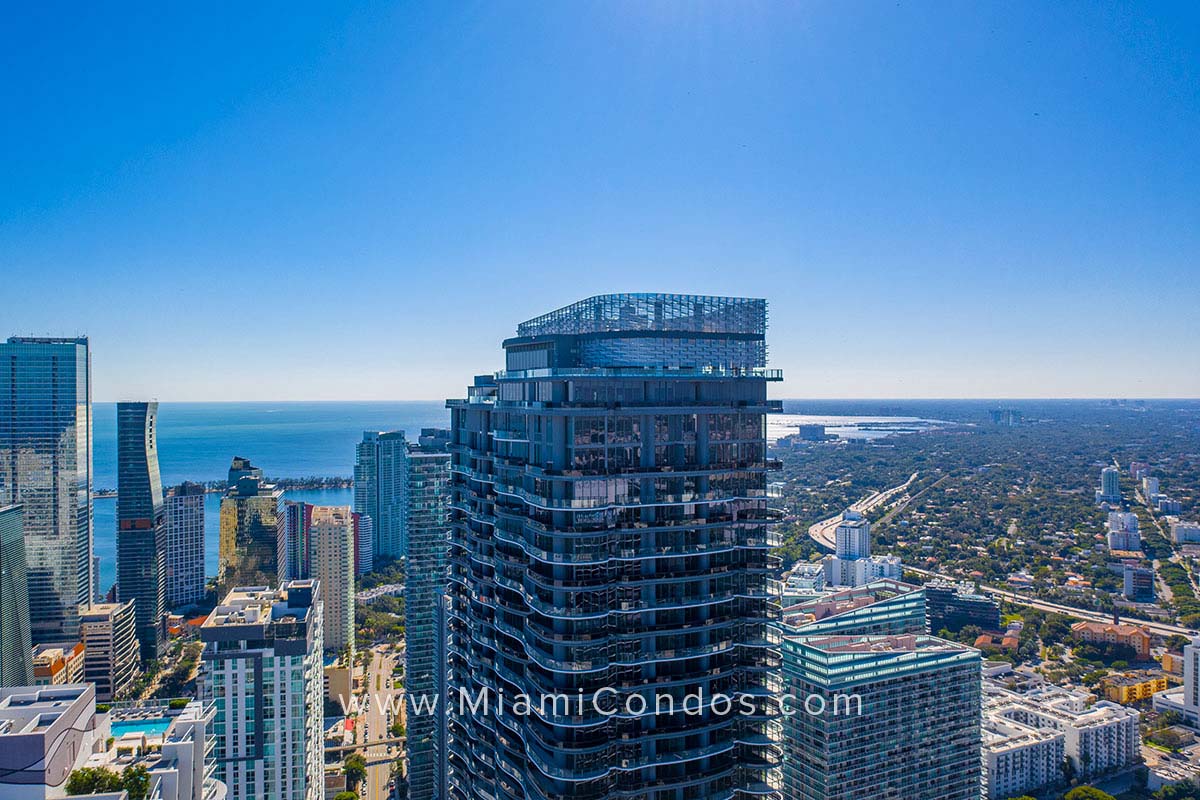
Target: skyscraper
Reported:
point(110, 648)
point(364, 544)
point(16, 648)
point(297, 519)
point(141, 524)
point(46, 466)
point(881, 716)
point(261, 668)
point(1110, 486)
point(379, 489)
point(427, 493)
point(609, 534)
point(185, 545)
point(253, 541)
point(331, 534)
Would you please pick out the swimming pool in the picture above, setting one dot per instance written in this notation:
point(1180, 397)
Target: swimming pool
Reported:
point(152, 726)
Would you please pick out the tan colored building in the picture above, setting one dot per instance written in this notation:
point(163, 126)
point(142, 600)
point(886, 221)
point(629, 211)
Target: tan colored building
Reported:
point(111, 653)
point(331, 537)
point(57, 664)
point(1172, 663)
point(1109, 633)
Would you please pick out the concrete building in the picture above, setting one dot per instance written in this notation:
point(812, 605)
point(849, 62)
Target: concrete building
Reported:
point(1110, 486)
point(45, 731)
point(185, 545)
point(261, 669)
point(111, 653)
point(1138, 583)
point(852, 537)
point(804, 582)
point(56, 665)
point(908, 723)
point(331, 533)
point(1150, 488)
point(46, 445)
point(1184, 700)
point(1138, 470)
point(16, 666)
point(609, 529)
point(1134, 686)
point(1123, 531)
point(1108, 633)
point(252, 530)
point(141, 524)
point(852, 563)
point(1019, 758)
point(379, 489)
point(1184, 532)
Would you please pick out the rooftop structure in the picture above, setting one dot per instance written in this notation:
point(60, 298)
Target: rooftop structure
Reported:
point(44, 731)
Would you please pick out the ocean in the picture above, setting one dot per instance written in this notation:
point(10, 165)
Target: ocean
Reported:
point(310, 439)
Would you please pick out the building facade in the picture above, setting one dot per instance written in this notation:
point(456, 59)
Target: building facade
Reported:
point(141, 524)
point(379, 489)
point(609, 530)
point(261, 669)
point(185, 545)
point(1110, 486)
point(16, 663)
point(253, 542)
point(891, 716)
point(44, 731)
point(55, 665)
point(426, 516)
point(953, 606)
point(46, 466)
point(111, 654)
point(331, 533)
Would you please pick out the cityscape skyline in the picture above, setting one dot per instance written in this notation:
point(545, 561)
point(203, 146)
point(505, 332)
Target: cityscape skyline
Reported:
point(967, 202)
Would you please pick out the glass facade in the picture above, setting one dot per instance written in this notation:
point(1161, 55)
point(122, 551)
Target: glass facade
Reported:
point(379, 489)
point(16, 648)
point(427, 493)
point(141, 524)
point(253, 544)
point(609, 534)
point(185, 545)
point(46, 466)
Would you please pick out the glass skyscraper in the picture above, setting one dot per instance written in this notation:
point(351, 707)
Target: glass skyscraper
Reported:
point(16, 647)
point(379, 489)
point(427, 502)
point(141, 524)
point(46, 466)
point(609, 535)
point(253, 547)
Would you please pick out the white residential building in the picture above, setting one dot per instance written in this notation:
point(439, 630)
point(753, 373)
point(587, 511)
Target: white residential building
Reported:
point(184, 511)
point(1019, 758)
point(1150, 488)
point(852, 538)
point(1123, 532)
point(1184, 700)
point(1183, 532)
point(1110, 486)
point(261, 668)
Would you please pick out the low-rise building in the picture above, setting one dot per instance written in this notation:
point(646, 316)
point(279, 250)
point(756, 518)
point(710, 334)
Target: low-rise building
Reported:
point(1183, 531)
point(1138, 583)
point(1115, 633)
point(1134, 686)
point(1172, 663)
point(57, 664)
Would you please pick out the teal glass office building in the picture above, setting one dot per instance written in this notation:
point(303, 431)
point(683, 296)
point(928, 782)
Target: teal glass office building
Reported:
point(141, 524)
point(16, 647)
point(609, 532)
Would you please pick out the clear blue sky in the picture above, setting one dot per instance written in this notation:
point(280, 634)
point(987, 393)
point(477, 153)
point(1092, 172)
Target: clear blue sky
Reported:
point(272, 201)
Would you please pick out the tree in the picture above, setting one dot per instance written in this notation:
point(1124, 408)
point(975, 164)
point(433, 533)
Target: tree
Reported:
point(355, 769)
point(1087, 793)
point(136, 781)
point(345, 796)
point(93, 780)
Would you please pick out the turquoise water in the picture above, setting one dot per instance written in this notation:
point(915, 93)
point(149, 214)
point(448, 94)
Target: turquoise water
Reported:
point(290, 440)
point(151, 727)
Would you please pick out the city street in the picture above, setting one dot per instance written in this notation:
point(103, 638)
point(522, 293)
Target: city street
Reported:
point(380, 757)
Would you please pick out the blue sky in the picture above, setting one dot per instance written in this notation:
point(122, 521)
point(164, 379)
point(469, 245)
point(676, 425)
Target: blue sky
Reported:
point(274, 201)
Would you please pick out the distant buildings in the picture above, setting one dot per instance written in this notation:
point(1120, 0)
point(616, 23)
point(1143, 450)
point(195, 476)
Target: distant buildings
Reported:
point(952, 607)
point(1109, 633)
point(46, 447)
point(379, 489)
point(1009, 417)
point(185, 545)
point(252, 530)
point(1150, 489)
point(810, 433)
point(1138, 583)
point(141, 524)
point(1123, 531)
point(852, 563)
point(426, 518)
point(1167, 505)
point(111, 652)
point(364, 544)
point(908, 725)
point(16, 667)
point(55, 665)
point(1110, 486)
point(1028, 735)
point(1183, 532)
point(331, 533)
point(261, 669)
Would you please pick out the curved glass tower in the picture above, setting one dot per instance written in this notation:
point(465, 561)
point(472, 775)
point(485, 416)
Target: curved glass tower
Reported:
point(609, 555)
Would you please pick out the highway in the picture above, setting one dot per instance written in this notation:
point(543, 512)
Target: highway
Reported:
point(823, 533)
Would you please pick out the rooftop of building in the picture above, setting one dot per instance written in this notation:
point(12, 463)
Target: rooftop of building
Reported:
point(32, 709)
point(260, 605)
point(908, 643)
point(100, 611)
point(652, 312)
point(1118, 629)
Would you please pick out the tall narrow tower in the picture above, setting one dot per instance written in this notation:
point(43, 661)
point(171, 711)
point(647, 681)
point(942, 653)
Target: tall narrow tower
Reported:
point(609, 542)
point(141, 524)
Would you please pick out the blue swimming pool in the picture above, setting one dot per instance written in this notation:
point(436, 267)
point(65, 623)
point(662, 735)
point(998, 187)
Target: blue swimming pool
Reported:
point(151, 727)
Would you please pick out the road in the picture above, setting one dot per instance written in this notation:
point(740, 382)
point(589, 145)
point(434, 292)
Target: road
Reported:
point(1159, 628)
point(823, 533)
point(378, 687)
